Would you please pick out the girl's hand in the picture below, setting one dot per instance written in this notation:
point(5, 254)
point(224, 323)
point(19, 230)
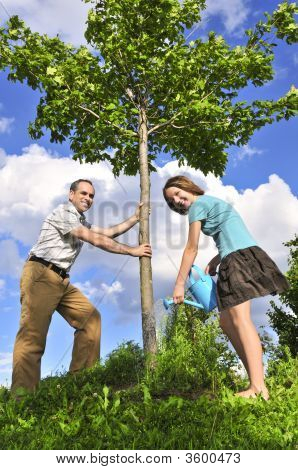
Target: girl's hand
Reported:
point(211, 267)
point(178, 295)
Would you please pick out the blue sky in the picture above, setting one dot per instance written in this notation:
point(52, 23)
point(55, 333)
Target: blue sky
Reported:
point(260, 180)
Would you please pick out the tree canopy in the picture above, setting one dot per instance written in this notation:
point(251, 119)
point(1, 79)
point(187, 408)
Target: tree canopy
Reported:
point(141, 88)
point(139, 58)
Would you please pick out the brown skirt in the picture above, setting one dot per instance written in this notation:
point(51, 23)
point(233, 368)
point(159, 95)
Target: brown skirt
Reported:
point(247, 274)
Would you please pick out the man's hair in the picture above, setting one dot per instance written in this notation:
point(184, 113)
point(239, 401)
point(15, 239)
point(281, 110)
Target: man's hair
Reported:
point(184, 183)
point(75, 184)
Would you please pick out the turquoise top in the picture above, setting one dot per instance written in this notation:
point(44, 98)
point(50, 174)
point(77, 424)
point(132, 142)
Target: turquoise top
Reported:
point(222, 222)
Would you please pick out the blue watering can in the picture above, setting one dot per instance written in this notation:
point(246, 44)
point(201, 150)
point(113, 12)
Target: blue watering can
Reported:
point(203, 290)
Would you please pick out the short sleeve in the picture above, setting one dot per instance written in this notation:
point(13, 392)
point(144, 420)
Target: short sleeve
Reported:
point(64, 220)
point(198, 211)
point(86, 224)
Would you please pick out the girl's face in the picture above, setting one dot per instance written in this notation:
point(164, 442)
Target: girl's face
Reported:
point(179, 198)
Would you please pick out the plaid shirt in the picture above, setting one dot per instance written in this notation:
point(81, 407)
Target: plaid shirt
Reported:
point(55, 243)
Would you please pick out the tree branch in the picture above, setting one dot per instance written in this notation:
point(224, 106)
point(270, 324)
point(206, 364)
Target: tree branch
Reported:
point(127, 131)
point(178, 127)
point(89, 111)
point(163, 124)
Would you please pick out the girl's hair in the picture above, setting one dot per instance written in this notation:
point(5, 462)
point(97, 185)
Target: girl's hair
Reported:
point(184, 183)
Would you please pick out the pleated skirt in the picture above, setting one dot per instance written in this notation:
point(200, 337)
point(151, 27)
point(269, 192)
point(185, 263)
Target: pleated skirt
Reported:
point(247, 274)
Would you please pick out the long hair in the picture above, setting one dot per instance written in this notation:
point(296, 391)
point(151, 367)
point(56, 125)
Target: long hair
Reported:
point(184, 183)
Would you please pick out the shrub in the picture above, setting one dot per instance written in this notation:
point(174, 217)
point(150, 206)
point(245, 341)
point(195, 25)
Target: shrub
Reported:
point(81, 412)
point(124, 365)
point(193, 354)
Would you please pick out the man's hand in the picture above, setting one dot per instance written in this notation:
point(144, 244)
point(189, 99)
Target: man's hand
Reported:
point(178, 295)
point(138, 211)
point(141, 250)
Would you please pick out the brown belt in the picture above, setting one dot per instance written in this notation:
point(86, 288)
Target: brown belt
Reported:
point(62, 273)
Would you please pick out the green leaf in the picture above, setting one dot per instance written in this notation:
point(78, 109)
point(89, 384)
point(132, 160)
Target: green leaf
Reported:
point(51, 71)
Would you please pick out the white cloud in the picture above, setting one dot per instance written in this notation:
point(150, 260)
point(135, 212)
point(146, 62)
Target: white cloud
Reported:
point(10, 260)
point(36, 181)
point(65, 17)
point(5, 359)
point(115, 288)
point(246, 152)
point(87, 288)
point(45, 181)
point(232, 12)
point(5, 362)
point(6, 125)
point(102, 293)
point(270, 208)
point(2, 157)
point(68, 17)
point(280, 73)
point(2, 287)
point(295, 58)
point(269, 212)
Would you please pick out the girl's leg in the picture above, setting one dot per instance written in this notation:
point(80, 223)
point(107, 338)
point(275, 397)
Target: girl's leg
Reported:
point(238, 326)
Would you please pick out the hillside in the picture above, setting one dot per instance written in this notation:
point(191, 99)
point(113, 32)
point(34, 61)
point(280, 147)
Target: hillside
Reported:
point(186, 402)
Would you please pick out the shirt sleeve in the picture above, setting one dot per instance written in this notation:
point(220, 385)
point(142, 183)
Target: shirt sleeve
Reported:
point(86, 224)
point(64, 220)
point(197, 211)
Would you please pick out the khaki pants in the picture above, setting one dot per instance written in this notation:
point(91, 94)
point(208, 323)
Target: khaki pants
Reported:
point(42, 292)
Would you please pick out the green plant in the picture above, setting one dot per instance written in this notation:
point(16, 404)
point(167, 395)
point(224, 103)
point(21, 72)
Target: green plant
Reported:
point(284, 318)
point(125, 365)
point(80, 412)
point(193, 354)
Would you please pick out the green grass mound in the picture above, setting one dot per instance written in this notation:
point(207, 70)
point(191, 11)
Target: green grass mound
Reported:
point(185, 402)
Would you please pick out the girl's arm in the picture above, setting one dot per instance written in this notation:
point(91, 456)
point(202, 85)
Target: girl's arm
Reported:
point(189, 255)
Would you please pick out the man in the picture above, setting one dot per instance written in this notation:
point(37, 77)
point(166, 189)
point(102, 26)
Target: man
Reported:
point(45, 285)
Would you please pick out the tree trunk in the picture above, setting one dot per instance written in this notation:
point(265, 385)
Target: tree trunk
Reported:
point(148, 318)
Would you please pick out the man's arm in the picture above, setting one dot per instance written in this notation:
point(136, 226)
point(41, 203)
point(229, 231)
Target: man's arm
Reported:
point(121, 228)
point(107, 244)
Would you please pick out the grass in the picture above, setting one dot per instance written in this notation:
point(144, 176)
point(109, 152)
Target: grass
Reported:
point(186, 402)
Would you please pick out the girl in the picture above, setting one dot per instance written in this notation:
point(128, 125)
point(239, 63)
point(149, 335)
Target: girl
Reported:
point(245, 271)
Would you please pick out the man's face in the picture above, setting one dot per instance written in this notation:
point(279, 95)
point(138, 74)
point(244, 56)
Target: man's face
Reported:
point(83, 197)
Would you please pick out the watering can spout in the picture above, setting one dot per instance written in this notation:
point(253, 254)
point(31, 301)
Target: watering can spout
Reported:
point(167, 303)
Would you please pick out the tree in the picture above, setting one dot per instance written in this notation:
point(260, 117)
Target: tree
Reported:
point(284, 319)
point(144, 89)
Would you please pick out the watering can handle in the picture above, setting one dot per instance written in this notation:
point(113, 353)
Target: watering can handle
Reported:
point(199, 271)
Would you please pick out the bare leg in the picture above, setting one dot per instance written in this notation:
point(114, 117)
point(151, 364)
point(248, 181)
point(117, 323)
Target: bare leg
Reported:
point(238, 326)
point(227, 325)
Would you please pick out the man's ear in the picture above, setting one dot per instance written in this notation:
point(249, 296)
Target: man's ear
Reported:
point(70, 196)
